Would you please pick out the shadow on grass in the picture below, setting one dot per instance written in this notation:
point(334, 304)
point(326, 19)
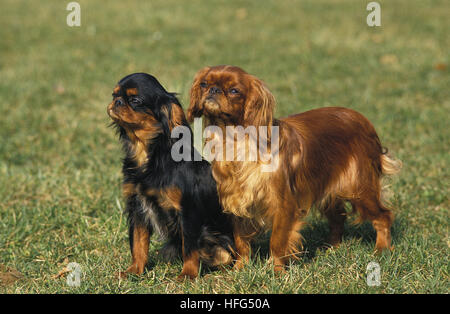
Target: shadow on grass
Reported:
point(316, 232)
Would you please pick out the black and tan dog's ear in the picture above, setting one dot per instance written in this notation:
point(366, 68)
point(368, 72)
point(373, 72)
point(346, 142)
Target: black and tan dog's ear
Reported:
point(259, 105)
point(195, 106)
point(173, 116)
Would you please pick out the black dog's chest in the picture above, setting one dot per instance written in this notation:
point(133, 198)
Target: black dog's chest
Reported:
point(163, 220)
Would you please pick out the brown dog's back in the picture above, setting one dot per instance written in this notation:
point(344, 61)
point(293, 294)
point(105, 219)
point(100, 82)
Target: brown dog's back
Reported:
point(341, 154)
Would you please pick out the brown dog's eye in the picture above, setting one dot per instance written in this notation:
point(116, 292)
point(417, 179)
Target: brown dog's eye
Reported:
point(234, 91)
point(203, 84)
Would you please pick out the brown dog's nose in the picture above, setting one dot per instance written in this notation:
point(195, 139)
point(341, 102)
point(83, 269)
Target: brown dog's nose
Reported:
point(214, 90)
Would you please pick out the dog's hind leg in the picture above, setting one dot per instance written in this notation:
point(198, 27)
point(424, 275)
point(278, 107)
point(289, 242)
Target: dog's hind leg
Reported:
point(336, 215)
point(370, 208)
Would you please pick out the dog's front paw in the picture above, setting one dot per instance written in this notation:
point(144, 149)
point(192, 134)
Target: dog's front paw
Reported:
point(133, 269)
point(189, 276)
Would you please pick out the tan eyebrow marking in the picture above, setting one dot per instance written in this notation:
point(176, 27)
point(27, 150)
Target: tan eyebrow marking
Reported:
point(116, 89)
point(132, 92)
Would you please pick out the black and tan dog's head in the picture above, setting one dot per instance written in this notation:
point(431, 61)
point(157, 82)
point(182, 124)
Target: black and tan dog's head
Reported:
point(143, 110)
point(142, 106)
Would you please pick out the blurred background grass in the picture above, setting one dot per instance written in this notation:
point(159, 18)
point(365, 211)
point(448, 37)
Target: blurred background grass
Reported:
point(60, 163)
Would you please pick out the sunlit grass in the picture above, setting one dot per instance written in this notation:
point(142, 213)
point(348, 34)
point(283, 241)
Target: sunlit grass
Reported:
point(60, 163)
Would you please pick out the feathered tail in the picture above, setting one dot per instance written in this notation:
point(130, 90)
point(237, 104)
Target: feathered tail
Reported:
point(390, 166)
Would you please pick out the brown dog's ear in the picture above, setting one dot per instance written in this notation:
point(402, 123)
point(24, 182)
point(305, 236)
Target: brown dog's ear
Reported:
point(195, 107)
point(259, 105)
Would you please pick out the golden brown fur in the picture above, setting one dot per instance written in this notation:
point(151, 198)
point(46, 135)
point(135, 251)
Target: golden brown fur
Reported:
point(326, 156)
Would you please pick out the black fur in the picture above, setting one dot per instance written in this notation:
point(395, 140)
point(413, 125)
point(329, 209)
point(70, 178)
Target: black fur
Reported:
point(200, 221)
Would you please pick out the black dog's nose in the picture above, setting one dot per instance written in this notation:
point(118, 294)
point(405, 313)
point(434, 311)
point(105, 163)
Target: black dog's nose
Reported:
point(118, 102)
point(214, 90)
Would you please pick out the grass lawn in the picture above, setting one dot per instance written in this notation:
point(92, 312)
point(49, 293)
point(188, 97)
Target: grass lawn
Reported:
point(60, 177)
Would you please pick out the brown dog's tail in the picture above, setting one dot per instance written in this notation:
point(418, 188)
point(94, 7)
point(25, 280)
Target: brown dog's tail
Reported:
point(390, 166)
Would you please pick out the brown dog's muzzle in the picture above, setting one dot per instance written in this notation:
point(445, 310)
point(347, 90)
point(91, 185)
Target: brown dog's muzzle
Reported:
point(211, 106)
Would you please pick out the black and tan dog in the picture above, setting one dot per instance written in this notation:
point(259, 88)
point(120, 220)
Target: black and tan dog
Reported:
point(177, 199)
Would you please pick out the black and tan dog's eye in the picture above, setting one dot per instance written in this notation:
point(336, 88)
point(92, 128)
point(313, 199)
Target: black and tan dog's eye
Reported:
point(134, 101)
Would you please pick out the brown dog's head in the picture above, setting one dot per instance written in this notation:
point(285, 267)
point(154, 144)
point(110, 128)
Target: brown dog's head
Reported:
point(230, 95)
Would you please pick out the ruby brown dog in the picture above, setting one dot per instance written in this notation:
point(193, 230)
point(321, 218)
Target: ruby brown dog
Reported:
point(326, 157)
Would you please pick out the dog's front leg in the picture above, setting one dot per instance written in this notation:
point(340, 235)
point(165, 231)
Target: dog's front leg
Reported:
point(191, 256)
